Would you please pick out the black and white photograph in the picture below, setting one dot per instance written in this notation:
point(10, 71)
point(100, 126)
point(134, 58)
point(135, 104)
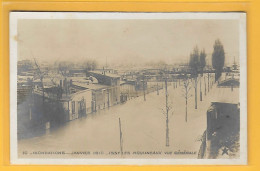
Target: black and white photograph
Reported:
point(101, 88)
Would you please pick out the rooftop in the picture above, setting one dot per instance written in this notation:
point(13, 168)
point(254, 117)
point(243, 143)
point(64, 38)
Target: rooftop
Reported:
point(90, 86)
point(105, 74)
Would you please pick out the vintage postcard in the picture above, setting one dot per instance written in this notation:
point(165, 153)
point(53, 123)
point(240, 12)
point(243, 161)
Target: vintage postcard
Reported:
point(110, 88)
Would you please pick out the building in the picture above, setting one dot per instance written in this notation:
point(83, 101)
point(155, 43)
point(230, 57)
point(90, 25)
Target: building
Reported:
point(223, 120)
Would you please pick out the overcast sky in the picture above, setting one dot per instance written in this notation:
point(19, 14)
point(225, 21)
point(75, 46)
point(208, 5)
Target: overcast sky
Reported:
point(123, 41)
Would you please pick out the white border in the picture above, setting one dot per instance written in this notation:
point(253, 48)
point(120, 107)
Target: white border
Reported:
point(241, 17)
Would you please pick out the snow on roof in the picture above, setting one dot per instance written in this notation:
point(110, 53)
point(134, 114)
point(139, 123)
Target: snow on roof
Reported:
point(106, 74)
point(90, 86)
point(225, 95)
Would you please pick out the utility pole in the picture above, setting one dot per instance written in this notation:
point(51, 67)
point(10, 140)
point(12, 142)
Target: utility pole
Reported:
point(121, 137)
point(108, 101)
point(167, 113)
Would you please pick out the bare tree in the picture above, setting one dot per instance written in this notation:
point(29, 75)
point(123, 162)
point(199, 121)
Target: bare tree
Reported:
point(194, 64)
point(90, 65)
point(186, 94)
point(166, 112)
point(202, 64)
point(195, 84)
point(218, 58)
point(208, 81)
point(200, 87)
point(64, 67)
point(41, 75)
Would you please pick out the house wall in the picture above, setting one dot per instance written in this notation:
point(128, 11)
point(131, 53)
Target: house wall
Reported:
point(106, 97)
point(222, 117)
point(73, 105)
point(128, 89)
point(223, 127)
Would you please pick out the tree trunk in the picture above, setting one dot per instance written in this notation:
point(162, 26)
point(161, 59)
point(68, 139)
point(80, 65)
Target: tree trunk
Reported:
point(195, 92)
point(186, 116)
point(167, 131)
point(217, 74)
point(205, 86)
point(200, 90)
point(208, 81)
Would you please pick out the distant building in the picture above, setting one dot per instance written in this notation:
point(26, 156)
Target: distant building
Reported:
point(128, 88)
point(105, 78)
point(106, 92)
point(107, 70)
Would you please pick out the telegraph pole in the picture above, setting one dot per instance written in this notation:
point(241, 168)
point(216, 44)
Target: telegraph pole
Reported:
point(108, 101)
point(121, 137)
point(167, 113)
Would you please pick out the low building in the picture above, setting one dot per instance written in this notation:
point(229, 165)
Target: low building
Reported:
point(223, 121)
point(105, 78)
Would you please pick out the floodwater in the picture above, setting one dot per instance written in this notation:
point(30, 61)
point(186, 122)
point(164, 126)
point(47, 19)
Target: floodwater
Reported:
point(143, 126)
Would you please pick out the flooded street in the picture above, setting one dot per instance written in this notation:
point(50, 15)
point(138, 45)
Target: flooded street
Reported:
point(143, 129)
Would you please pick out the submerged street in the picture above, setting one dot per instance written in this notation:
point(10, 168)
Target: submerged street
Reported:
point(143, 126)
